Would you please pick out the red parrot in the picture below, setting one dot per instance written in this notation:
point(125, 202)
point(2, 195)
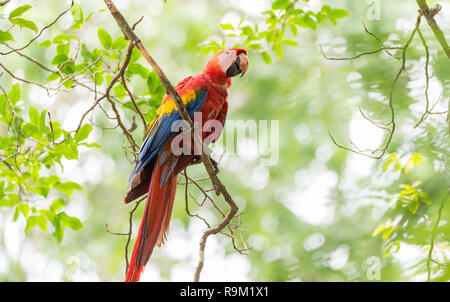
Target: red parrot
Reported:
point(157, 166)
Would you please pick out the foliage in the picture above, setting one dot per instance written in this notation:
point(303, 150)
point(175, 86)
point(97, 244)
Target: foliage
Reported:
point(270, 36)
point(30, 149)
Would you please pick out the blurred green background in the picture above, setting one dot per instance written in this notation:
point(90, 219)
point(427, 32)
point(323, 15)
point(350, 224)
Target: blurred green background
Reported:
point(309, 217)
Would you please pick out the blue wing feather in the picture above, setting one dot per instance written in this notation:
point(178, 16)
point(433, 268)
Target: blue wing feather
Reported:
point(161, 133)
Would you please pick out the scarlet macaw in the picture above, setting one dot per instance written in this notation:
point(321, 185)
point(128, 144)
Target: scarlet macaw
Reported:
point(157, 167)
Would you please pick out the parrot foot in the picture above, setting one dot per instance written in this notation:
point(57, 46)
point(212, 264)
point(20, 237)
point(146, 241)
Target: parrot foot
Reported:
point(197, 159)
point(216, 166)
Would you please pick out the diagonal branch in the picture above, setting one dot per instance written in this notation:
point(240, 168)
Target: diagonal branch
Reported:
point(429, 14)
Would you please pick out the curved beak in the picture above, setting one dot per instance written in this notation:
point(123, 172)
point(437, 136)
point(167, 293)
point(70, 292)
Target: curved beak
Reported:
point(239, 66)
point(243, 63)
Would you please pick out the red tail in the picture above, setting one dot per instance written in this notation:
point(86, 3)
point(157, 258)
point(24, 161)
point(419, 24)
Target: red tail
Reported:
point(155, 221)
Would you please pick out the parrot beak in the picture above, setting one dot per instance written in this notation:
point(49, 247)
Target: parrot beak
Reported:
point(239, 66)
point(243, 60)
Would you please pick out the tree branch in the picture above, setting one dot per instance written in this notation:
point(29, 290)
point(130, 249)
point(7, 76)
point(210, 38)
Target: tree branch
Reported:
point(429, 15)
point(4, 2)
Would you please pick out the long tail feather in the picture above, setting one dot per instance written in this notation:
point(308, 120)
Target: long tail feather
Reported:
point(155, 221)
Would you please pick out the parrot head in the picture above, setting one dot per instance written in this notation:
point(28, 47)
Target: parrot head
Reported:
point(228, 63)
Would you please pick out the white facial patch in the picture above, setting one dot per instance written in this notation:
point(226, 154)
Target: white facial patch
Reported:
point(226, 59)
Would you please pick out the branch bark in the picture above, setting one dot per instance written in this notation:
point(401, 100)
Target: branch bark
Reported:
point(4, 2)
point(219, 187)
point(429, 15)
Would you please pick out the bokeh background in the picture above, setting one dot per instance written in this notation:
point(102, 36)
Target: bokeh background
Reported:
point(309, 217)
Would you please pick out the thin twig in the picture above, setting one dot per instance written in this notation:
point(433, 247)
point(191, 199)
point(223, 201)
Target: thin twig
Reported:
point(130, 94)
point(40, 32)
point(382, 150)
point(427, 79)
point(358, 55)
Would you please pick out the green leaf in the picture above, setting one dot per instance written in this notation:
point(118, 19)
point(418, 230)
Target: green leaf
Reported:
point(24, 208)
point(57, 205)
point(52, 77)
point(309, 22)
point(255, 46)
point(119, 43)
point(415, 160)
point(413, 205)
point(42, 190)
point(227, 26)
point(59, 59)
point(270, 13)
point(5, 36)
point(137, 68)
point(290, 42)
point(16, 214)
point(378, 230)
point(105, 38)
point(42, 222)
point(89, 17)
point(339, 13)
point(63, 37)
point(153, 83)
point(68, 68)
point(91, 145)
point(19, 11)
point(77, 13)
point(71, 222)
point(67, 187)
point(31, 222)
point(98, 78)
point(386, 226)
point(14, 93)
point(120, 91)
point(45, 44)
point(266, 57)
point(86, 54)
point(135, 55)
point(247, 30)
point(34, 116)
point(59, 229)
point(278, 50)
point(69, 150)
point(63, 49)
point(280, 4)
point(320, 17)
point(294, 30)
point(392, 158)
point(387, 233)
point(50, 180)
point(83, 133)
point(25, 24)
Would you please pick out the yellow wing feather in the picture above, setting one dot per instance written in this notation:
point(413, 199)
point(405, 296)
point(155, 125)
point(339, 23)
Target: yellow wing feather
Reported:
point(168, 105)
